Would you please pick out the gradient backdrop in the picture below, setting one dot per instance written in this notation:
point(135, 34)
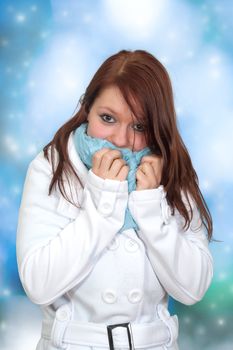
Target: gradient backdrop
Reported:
point(49, 52)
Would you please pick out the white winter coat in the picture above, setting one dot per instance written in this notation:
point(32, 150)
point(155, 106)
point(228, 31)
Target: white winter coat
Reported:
point(76, 257)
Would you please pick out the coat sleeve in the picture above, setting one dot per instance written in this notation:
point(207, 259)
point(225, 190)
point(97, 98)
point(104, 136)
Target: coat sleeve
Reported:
point(180, 259)
point(55, 253)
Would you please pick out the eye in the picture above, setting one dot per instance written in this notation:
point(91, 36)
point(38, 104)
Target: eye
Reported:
point(140, 127)
point(106, 118)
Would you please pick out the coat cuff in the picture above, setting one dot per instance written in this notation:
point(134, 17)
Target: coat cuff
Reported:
point(146, 204)
point(148, 195)
point(106, 184)
point(106, 194)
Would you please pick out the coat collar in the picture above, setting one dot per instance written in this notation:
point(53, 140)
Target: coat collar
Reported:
point(78, 165)
point(73, 189)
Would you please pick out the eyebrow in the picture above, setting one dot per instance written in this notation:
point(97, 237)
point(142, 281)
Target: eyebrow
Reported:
point(109, 109)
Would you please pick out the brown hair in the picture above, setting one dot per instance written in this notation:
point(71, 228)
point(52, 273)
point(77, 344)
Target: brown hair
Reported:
point(142, 78)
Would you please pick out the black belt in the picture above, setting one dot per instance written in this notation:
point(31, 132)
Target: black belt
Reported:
point(129, 334)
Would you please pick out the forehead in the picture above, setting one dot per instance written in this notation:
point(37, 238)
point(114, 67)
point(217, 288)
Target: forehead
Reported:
point(111, 99)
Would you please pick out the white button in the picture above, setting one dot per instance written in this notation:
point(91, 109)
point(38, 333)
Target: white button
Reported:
point(62, 315)
point(135, 295)
point(114, 244)
point(131, 245)
point(105, 208)
point(106, 205)
point(109, 296)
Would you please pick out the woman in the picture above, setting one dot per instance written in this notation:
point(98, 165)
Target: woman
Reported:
point(112, 220)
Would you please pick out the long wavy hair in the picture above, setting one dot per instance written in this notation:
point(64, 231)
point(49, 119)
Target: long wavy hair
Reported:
point(142, 78)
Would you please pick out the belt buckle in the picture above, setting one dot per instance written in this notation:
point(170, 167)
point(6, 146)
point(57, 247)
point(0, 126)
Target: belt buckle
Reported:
point(129, 334)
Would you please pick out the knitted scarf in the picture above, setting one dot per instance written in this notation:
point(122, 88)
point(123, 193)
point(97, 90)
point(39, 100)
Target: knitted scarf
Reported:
point(87, 145)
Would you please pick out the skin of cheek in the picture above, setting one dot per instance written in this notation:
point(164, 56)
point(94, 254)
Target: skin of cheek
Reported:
point(97, 131)
point(140, 143)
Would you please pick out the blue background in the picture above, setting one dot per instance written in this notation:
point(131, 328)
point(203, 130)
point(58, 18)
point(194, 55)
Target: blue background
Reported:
point(49, 52)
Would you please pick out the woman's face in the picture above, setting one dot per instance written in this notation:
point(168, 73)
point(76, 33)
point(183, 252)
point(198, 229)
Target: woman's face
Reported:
point(110, 118)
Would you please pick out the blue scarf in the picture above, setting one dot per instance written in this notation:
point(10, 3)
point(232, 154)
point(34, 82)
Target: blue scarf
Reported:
point(87, 145)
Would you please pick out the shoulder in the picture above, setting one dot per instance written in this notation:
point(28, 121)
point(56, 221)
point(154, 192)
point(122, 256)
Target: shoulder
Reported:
point(44, 165)
point(40, 163)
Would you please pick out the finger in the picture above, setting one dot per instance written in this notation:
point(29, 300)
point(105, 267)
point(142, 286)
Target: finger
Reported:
point(147, 169)
point(123, 173)
point(157, 164)
point(140, 175)
point(141, 178)
point(108, 158)
point(97, 156)
point(158, 168)
point(148, 158)
point(151, 159)
point(116, 166)
point(146, 176)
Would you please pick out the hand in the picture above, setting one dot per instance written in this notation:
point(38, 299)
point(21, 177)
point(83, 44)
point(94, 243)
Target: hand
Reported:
point(108, 164)
point(149, 172)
